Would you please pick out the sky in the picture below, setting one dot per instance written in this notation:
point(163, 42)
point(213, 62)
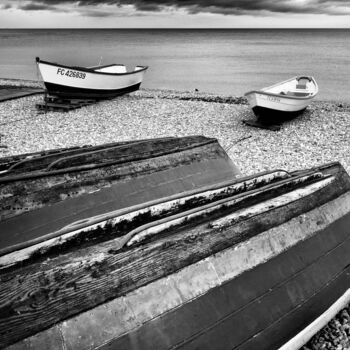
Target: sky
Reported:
point(175, 14)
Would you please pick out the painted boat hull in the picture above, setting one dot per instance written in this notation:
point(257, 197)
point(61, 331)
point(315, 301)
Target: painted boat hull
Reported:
point(268, 104)
point(260, 309)
point(74, 184)
point(74, 82)
point(71, 92)
point(247, 274)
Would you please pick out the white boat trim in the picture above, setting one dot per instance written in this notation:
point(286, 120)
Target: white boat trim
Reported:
point(307, 333)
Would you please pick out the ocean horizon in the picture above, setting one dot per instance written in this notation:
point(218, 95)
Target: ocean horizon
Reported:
point(219, 61)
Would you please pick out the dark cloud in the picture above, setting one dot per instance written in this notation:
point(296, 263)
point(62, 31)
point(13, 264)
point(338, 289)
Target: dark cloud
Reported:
point(32, 6)
point(6, 7)
point(225, 7)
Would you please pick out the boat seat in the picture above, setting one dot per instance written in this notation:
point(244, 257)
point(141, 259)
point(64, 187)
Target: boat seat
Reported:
point(302, 83)
point(298, 93)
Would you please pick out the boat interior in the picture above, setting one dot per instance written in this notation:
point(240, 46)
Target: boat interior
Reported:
point(296, 87)
point(114, 68)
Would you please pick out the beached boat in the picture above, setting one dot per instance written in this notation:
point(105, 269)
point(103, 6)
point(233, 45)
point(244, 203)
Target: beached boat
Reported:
point(193, 261)
point(283, 100)
point(77, 183)
point(89, 83)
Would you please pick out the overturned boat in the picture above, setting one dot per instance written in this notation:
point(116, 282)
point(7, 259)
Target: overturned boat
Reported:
point(164, 245)
point(98, 82)
point(283, 100)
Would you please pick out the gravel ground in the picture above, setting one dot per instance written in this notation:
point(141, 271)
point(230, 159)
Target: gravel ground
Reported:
point(320, 135)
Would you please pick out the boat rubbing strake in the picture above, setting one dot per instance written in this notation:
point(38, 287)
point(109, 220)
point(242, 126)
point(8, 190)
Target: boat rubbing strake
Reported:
point(89, 83)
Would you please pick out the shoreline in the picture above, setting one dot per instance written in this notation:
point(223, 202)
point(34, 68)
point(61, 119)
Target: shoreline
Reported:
point(170, 93)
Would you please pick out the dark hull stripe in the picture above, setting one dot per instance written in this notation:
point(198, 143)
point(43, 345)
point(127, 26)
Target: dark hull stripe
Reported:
point(262, 308)
point(321, 301)
point(269, 114)
point(72, 92)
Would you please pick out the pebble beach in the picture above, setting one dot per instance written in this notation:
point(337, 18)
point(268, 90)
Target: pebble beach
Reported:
point(320, 135)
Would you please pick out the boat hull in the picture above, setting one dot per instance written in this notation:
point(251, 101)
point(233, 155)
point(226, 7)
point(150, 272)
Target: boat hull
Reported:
point(73, 82)
point(58, 193)
point(273, 115)
point(248, 275)
point(265, 104)
point(262, 308)
point(64, 91)
point(283, 100)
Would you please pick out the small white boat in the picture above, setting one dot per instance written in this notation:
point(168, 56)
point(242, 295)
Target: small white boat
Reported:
point(93, 82)
point(284, 99)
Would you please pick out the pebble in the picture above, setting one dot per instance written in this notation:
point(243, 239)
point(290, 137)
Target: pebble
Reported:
point(320, 135)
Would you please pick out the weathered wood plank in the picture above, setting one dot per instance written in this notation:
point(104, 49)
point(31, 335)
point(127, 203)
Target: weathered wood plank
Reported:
point(267, 294)
point(17, 92)
point(47, 188)
point(35, 297)
point(117, 223)
point(38, 160)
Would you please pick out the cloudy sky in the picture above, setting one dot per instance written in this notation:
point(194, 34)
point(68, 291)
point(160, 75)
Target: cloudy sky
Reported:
point(174, 13)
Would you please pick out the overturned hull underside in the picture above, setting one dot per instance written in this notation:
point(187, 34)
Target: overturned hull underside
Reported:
point(197, 259)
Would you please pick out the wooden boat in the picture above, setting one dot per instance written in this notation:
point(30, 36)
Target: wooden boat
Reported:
point(89, 83)
point(283, 100)
point(67, 185)
point(233, 263)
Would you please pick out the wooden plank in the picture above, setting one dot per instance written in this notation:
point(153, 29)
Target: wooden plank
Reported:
point(302, 316)
point(145, 179)
point(260, 315)
point(55, 106)
point(52, 103)
point(40, 160)
point(38, 296)
point(162, 215)
point(17, 92)
point(41, 219)
point(123, 153)
point(244, 312)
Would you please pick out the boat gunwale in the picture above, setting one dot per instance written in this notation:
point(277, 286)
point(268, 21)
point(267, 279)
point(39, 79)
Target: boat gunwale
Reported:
point(104, 66)
point(263, 92)
point(96, 219)
point(43, 173)
point(89, 70)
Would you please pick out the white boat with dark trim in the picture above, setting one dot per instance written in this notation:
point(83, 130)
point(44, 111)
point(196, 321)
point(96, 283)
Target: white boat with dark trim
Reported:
point(284, 99)
point(92, 82)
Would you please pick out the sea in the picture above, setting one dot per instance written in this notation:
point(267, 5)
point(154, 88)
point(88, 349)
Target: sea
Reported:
point(220, 61)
